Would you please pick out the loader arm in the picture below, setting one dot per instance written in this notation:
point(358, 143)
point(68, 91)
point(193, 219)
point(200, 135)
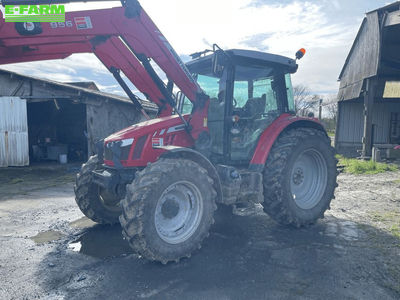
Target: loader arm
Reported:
point(123, 38)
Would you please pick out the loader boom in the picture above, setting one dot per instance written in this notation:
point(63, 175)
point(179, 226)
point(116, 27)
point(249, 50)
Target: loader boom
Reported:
point(123, 38)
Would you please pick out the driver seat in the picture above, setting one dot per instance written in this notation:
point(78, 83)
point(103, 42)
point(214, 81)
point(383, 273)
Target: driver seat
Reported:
point(255, 106)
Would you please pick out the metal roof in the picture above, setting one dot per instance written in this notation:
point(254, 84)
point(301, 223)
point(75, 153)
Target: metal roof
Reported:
point(147, 105)
point(374, 52)
point(248, 57)
point(391, 7)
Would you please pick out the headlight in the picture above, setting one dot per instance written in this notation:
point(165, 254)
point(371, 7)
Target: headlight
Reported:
point(127, 142)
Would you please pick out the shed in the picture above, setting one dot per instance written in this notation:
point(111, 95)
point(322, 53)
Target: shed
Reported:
point(369, 93)
point(41, 119)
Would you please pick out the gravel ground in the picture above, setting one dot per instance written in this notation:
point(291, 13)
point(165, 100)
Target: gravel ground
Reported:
point(50, 251)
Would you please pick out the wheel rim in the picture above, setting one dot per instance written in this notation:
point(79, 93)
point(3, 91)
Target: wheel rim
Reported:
point(308, 179)
point(109, 201)
point(178, 212)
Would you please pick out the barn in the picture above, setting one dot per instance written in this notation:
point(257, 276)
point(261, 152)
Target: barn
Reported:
point(41, 120)
point(369, 94)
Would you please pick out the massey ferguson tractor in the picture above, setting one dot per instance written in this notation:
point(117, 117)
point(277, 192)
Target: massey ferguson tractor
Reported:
point(226, 132)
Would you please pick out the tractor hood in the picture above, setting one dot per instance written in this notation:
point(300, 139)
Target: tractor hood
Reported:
point(143, 128)
point(142, 143)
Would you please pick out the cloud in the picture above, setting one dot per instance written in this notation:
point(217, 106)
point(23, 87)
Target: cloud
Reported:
point(326, 28)
point(257, 41)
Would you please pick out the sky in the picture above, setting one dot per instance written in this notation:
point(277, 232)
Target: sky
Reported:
point(325, 28)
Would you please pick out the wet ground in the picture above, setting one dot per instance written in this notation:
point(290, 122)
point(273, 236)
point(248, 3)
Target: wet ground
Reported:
point(50, 251)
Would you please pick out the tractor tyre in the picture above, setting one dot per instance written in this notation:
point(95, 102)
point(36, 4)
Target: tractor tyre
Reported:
point(95, 202)
point(299, 177)
point(168, 210)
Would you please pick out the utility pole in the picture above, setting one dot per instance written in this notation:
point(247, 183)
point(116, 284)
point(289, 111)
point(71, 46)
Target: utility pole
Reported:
point(320, 109)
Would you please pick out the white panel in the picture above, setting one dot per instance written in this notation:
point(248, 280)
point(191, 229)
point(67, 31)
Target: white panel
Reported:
point(14, 147)
point(393, 18)
point(3, 155)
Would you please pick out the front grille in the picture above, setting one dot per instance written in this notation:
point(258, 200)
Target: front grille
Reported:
point(109, 155)
point(125, 152)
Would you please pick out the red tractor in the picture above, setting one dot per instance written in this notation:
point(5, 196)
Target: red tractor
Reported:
point(226, 132)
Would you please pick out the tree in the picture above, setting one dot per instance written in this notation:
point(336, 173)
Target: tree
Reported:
point(304, 101)
point(332, 108)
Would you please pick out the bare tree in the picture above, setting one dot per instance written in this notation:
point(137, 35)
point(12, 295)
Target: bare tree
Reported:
point(304, 101)
point(331, 107)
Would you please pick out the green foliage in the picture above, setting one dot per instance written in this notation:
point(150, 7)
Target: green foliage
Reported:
point(331, 133)
point(390, 221)
point(395, 230)
point(355, 166)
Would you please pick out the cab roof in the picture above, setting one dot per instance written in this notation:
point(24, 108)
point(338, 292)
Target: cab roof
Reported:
point(245, 58)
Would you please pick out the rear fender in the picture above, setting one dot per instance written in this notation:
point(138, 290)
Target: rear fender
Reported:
point(190, 154)
point(271, 134)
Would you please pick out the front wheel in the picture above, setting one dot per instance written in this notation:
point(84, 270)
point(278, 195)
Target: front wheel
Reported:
point(95, 202)
point(300, 177)
point(168, 209)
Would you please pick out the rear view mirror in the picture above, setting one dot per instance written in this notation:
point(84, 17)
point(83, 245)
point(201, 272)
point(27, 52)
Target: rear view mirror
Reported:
point(218, 63)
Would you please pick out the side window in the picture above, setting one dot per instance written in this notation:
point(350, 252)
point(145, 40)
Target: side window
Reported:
point(187, 106)
point(265, 87)
point(289, 89)
point(241, 93)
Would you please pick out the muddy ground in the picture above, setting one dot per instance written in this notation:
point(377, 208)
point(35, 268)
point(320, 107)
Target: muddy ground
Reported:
point(50, 251)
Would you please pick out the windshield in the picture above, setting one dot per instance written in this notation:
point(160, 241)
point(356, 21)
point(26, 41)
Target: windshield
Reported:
point(210, 85)
point(259, 88)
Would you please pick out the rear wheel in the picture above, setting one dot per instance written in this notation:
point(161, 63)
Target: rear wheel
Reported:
point(168, 209)
point(300, 177)
point(95, 202)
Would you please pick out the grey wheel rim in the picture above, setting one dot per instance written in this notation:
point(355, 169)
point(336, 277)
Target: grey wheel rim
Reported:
point(309, 179)
point(178, 212)
point(109, 201)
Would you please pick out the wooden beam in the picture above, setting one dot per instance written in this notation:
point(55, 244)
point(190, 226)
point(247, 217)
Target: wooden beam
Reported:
point(368, 112)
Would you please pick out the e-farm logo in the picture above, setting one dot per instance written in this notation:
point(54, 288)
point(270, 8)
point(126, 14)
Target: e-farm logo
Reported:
point(35, 13)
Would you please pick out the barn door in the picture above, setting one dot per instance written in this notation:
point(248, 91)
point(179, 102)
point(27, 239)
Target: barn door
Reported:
point(395, 128)
point(14, 147)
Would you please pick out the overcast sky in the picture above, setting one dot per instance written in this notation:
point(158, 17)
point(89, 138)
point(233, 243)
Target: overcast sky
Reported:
point(326, 28)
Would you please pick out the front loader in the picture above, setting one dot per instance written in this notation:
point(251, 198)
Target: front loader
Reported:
point(226, 132)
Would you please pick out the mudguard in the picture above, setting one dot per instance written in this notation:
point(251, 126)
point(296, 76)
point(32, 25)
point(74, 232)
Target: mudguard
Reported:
point(269, 136)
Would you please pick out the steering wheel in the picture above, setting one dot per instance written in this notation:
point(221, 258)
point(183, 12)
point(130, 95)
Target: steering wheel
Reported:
point(234, 102)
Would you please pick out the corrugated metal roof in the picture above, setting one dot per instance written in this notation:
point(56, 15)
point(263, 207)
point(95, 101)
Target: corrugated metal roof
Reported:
point(366, 58)
point(389, 7)
point(147, 105)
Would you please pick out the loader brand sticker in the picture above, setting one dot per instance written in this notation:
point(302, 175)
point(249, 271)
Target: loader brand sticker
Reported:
point(34, 13)
point(83, 23)
point(176, 56)
point(157, 142)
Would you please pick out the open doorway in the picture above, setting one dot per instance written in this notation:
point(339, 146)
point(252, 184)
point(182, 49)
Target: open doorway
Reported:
point(57, 131)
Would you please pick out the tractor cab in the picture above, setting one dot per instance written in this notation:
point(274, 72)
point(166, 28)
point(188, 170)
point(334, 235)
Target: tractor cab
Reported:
point(248, 90)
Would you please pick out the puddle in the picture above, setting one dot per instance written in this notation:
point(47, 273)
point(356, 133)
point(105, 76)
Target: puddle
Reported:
point(346, 230)
point(101, 241)
point(82, 223)
point(47, 236)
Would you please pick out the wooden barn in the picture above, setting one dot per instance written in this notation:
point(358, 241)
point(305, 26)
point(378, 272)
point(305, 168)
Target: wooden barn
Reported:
point(369, 94)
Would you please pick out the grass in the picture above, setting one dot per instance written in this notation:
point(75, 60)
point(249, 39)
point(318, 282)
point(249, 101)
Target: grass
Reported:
point(395, 230)
point(355, 166)
point(390, 221)
point(331, 133)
